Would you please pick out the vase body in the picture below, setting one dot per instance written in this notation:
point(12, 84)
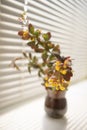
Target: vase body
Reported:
point(55, 103)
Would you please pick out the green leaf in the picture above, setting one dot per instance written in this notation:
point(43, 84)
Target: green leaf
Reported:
point(43, 64)
point(49, 65)
point(35, 62)
point(31, 28)
point(39, 73)
point(37, 33)
point(50, 45)
point(51, 57)
point(29, 68)
point(53, 88)
point(44, 55)
point(56, 49)
point(30, 55)
point(16, 66)
point(46, 36)
point(35, 59)
point(25, 55)
point(32, 44)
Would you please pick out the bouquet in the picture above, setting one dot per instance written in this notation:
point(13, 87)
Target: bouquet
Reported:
point(55, 70)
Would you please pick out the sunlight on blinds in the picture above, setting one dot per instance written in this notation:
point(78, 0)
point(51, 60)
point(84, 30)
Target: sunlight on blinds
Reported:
point(15, 85)
point(65, 19)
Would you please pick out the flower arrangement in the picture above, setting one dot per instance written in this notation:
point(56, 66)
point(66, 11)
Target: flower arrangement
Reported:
point(55, 69)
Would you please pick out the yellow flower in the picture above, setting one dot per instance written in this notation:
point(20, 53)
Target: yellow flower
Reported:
point(47, 84)
point(57, 88)
point(46, 78)
point(51, 80)
point(63, 80)
point(57, 65)
point(64, 66)
point(25, 35)
point(62, 88)
point(63, 71)
point(54, 84)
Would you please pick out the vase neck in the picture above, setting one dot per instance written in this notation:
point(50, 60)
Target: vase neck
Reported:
point(56, 94)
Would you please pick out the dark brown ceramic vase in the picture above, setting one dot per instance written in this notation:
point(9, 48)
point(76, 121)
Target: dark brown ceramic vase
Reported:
point(55, 103)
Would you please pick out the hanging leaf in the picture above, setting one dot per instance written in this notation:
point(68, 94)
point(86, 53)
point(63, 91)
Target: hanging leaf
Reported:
point(35, 63)
point(46, 36)
point(30, 56)
point(39, 73)
point(35, 59)
point(16, 66)
point(31, 28)
point(29, 68)
point(25, 55)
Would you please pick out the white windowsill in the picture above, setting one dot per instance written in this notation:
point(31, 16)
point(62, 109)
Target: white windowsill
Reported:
point(31, 116)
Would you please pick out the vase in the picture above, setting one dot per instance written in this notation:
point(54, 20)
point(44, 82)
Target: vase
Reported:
point(55, 103)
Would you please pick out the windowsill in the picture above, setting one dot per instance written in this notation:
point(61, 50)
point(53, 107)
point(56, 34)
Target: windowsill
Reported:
point(31, 116)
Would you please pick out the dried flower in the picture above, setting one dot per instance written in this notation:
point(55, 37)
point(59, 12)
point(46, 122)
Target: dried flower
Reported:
point(55, 69)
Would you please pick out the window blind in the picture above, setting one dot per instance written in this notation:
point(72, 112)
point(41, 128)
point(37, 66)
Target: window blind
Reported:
point(65, 19)
point(10, 46)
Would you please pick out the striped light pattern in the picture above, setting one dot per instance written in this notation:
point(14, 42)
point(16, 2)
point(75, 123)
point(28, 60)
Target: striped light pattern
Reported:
point(65, 19)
